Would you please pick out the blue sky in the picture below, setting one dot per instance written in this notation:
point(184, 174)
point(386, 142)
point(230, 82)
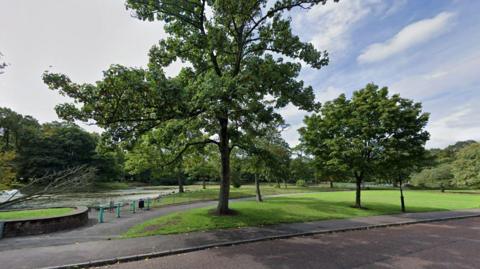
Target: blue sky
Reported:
point(428, 50)
point(425, 50)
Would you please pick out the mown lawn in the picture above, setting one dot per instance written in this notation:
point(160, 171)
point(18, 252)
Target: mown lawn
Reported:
point(195, 193)
point(34, 213)
point(301, 208)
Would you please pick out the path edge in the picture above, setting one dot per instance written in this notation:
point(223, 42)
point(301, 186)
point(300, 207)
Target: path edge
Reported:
point(139, 257)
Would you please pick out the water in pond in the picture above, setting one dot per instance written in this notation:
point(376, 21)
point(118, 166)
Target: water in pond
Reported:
point(96, 198)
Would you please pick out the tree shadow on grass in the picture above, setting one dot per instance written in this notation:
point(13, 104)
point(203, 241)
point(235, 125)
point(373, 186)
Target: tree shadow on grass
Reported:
point(346, 208)
point(277, 211)
point(305, 210)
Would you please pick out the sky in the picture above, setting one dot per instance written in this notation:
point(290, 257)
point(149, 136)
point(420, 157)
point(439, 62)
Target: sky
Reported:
point(425, 50)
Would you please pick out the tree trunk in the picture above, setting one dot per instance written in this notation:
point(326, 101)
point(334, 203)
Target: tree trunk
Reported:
point(180, 184)
point(359, 179)
point(331, 182)
point(204, 184)
point(257, 190)
point(402, 199)
point(180, 178)
point(224, 193)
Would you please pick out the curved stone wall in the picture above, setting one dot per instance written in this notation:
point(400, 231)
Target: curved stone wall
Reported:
point(12, 228)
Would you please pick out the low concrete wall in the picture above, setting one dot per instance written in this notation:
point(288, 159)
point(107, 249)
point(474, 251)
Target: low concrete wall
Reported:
point(12, 228)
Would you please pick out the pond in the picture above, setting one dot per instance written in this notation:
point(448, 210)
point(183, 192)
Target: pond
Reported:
point(94, 198)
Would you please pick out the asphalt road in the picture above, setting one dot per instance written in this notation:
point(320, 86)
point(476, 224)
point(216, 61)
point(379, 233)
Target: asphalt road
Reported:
point(449, 244)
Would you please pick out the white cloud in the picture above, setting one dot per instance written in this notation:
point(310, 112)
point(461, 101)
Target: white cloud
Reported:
point(462, 124)
point(332, 23)
point(295, 116)
point(396, 5)
point(78, 38)
point(456, 74)
point(410, 36)
point(328, 94)
point(291, 111)
point(291, 134)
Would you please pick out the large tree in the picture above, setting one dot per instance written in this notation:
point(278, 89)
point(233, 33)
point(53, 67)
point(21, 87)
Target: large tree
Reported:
point(466, 167)
point(365, 133)
point(16, 130)
point(58, 147)
point(234, 81)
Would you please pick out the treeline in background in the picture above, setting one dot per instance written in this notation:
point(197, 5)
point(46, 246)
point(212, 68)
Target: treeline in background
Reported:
point(30, 150)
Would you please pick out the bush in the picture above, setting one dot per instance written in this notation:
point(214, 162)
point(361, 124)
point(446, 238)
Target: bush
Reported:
point(301, 183)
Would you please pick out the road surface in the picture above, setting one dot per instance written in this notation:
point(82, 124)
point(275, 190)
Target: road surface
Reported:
point(448, 244)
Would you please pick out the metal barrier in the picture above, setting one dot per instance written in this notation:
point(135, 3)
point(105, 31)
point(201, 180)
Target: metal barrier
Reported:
point(117, 208)
point(101, 212)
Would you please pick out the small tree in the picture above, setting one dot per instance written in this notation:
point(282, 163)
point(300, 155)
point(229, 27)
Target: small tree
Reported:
point(363, 133)
point(268, 158)
point(440, 176)
point(202, 165)
point(255, 165)
point(302, 167)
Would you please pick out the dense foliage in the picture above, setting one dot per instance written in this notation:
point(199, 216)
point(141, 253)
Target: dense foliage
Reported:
point(242, 63)
point(370, 134)
point(456, 166)
point(31, 150)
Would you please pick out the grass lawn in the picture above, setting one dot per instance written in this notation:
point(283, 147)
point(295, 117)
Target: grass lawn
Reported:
point(34, 213)
point(195, 193)
point(303, 207)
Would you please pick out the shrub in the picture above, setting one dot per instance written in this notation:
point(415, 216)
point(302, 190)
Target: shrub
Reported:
point(301, 183)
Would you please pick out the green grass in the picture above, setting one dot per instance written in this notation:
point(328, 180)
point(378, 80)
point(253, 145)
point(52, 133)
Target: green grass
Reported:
point(301, 208)
point(194, 193)
point(34, 213)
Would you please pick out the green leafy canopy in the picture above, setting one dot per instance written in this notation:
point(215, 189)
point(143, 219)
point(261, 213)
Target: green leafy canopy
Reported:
point(372, 134)
point(242, 63)
point(233, 74)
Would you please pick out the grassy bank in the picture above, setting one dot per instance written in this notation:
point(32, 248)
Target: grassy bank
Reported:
point(35, 213)
point(301, 208)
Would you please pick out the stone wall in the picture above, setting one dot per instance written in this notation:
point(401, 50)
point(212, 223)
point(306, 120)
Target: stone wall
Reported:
point(12, 228)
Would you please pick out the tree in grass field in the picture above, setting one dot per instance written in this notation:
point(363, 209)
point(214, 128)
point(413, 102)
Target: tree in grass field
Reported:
point(301, 166)
point(367, 134)
point(203, 165)
point(268, 158)
point(242, 63)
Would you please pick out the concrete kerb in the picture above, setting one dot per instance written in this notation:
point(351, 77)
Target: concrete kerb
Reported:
point(124, 259)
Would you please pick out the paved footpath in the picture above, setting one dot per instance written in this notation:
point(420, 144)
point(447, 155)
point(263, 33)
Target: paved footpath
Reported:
point(93, 244)
point(447, 244)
